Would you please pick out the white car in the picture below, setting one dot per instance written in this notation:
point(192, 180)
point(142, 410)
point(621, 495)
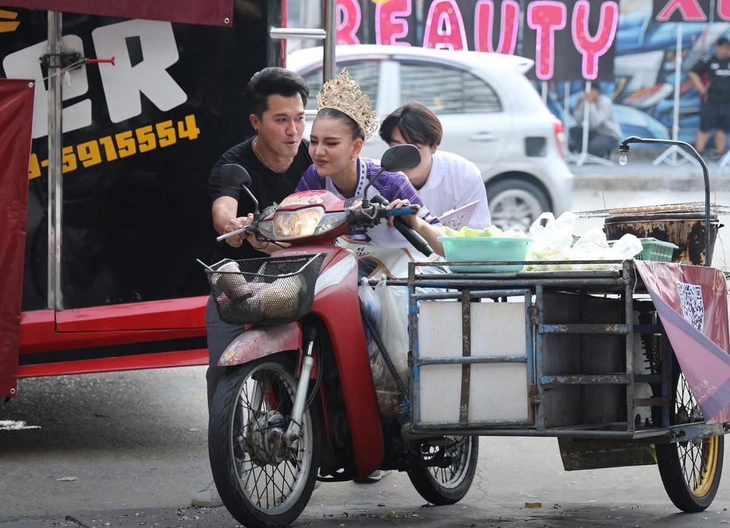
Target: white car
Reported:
point(490, 113)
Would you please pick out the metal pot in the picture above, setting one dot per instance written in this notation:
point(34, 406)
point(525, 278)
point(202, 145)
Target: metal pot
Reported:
point(685, 229)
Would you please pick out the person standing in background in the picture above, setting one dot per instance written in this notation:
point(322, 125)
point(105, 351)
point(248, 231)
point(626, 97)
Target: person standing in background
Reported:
point(711, 76)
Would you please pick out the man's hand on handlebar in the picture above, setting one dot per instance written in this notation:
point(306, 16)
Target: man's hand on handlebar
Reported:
point(234, 225)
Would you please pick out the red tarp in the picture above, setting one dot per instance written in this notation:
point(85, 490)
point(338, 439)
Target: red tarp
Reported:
point(692, 303)
point(16, 122)
point(206, 12)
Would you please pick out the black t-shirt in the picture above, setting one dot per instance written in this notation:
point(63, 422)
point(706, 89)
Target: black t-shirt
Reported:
point(717, 74)
point(267, 186)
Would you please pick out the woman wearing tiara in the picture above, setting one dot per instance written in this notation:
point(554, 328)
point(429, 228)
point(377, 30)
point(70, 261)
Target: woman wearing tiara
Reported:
point(345, 119)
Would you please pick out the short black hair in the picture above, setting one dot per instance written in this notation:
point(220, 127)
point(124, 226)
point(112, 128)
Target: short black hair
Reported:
point(274, 81)
point(416, 123)
point(723, 41)
point(596, 87)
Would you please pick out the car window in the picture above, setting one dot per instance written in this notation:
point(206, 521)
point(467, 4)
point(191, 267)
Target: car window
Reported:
point(447, 90)
point(364, 72)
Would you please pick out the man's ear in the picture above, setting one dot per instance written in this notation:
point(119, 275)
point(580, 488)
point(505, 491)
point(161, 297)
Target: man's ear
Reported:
point(255, 122)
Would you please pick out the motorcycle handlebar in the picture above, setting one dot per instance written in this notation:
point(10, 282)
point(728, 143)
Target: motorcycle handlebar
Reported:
point(232, 234)
point(412, 236)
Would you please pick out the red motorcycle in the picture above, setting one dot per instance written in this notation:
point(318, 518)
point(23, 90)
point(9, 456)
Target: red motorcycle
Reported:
point(298, 402)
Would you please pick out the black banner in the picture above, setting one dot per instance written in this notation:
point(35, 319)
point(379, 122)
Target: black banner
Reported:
point(140, 138)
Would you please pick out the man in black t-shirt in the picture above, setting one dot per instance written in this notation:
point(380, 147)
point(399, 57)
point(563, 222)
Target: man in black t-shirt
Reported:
point(275, 158)
point(711, 77)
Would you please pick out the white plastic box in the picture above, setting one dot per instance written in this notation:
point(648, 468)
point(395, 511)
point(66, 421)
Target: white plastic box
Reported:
point(498, 392)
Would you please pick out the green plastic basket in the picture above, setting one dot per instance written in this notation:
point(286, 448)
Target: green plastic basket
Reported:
point(657, 250)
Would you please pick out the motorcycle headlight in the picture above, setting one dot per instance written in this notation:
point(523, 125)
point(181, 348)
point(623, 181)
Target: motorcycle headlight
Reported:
point(290, 225)
point(296, 224)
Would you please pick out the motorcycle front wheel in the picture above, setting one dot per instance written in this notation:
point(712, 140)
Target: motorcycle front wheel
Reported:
point(444, 473)
point(263, 481)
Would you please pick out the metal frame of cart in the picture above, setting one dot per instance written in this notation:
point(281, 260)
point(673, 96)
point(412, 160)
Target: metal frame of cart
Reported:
point(580, 364)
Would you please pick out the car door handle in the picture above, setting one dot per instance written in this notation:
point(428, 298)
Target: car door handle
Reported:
point(483, 136)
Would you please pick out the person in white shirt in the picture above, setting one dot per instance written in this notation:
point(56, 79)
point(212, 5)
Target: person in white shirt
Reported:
point(604, 131)
point(444, 181)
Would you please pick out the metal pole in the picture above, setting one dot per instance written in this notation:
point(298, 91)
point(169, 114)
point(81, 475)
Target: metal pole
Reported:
point(677, 83)
point(55, 166)
point(330, 41)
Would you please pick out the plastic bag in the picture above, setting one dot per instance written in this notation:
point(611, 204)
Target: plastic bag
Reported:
point(551, 239)
point(388, 308)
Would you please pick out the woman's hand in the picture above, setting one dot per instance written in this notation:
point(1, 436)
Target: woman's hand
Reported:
point(234, 225)
point(411, 221)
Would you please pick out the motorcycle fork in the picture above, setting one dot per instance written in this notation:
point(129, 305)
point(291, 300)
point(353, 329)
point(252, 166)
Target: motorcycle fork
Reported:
point(292, 432)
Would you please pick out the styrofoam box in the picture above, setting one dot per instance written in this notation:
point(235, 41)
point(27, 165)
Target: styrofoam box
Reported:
point(498, 392)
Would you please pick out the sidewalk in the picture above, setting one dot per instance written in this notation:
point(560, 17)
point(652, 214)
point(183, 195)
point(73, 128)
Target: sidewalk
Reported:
point(640, 174)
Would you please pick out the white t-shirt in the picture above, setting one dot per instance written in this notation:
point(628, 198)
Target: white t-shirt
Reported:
point(454, 182)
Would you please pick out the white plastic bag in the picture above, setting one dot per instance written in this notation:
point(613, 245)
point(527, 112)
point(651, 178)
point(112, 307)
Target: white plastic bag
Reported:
point(387, 307)
point(551, 239)
point(393, 324)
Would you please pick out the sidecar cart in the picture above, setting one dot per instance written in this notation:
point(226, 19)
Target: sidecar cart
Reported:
point(625, 365)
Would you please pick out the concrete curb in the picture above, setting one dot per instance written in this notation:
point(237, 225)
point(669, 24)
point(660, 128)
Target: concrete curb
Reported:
point(643, 176)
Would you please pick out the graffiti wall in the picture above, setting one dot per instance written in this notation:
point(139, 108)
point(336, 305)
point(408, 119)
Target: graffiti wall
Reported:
point(630, 46)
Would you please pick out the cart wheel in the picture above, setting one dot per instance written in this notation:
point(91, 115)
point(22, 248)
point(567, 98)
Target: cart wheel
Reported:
point(444, 473)
point(690, 470)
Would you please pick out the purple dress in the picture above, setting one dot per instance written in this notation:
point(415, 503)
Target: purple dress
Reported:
point(390, 185)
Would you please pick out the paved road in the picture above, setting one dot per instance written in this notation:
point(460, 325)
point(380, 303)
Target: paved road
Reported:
point(128, 449)
point(134, 445)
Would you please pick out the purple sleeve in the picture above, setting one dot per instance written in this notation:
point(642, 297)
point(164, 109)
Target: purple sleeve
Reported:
point(397, 186)
point(309, 181)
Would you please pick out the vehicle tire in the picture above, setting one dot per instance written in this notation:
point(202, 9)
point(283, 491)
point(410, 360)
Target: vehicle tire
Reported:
point(446, 485)
point(691, 470)
point(262, 483)
point(515, 204)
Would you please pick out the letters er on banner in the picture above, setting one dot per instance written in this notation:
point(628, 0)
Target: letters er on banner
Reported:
point(569, 40)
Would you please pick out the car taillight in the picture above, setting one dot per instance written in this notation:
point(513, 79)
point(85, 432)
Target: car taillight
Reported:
point(560, 137)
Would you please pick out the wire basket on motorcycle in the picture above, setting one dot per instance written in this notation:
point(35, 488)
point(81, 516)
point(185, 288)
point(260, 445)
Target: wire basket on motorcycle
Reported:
point(271, 290)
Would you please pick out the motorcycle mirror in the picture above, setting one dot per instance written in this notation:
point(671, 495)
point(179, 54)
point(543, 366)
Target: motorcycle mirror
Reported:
point(400, 158)
point(396, 158)
point(234, 176)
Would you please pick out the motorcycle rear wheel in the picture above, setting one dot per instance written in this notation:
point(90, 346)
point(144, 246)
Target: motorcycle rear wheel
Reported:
point(446, 485)
point(262, 483)
point(690, 471)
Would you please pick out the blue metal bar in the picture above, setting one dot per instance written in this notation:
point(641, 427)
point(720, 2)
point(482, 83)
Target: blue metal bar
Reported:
point(530, 353)
point(540, 356)
point(474, 294)
point(465, 352)
point(629, 305)
point(489, 430)
point(471, 360)
point(586, 379)
point(415, 381)
point(689, 432)
point(582, 328)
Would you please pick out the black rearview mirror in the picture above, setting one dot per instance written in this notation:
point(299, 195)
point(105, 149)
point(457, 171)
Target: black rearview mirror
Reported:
point(400, 158)
point(396, 158)
point(234, 176)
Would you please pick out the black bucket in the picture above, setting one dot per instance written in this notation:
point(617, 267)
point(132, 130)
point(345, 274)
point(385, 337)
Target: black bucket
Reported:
point(685, 229)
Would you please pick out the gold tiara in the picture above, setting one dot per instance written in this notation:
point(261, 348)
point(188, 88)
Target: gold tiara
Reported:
point(343, 93)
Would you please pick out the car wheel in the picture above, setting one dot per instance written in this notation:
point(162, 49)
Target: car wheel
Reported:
point(515, 204)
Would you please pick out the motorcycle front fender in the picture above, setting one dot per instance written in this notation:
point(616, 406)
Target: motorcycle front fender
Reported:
point(260, 342)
